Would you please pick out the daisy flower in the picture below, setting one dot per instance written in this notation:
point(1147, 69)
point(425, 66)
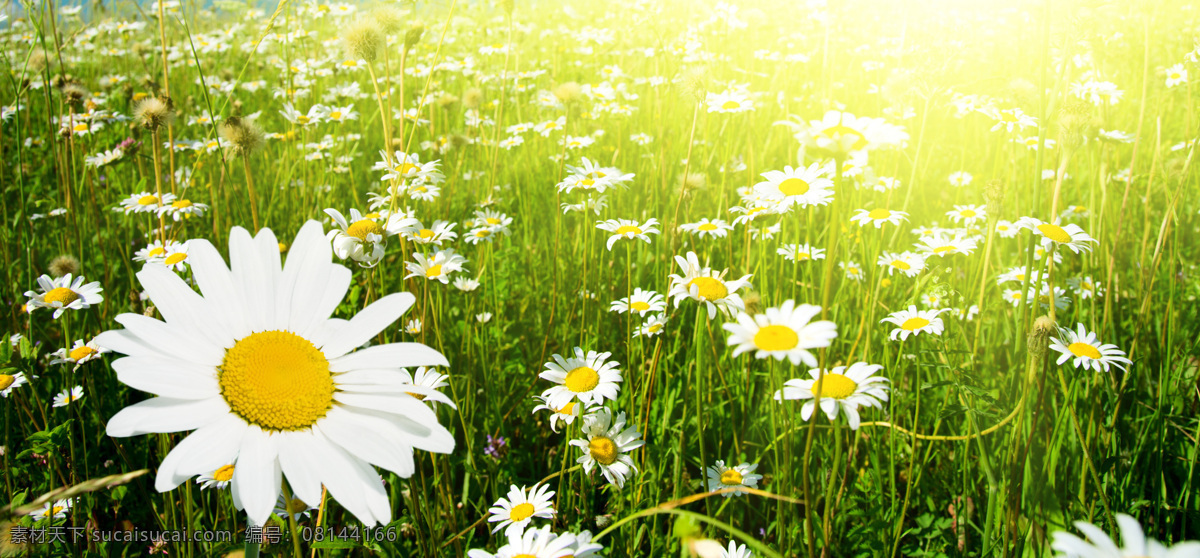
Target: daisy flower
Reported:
point(56, 510)
point(480, 234)
point(466, 284)
point(1085, 287)
point(736, 551)
point(801, 187)
point(716, 228)
point(408, 167)
point(175, 257)
point(908, 263)
point(297, 507)
point(913, 322)
point(413, 327)
point(843, 388)
point(218, 479)
point(787, 331)
point(1061, 300)
point(652, 326)
point(520, 507)
point(79, 353)
point(624, 228)
point(436, 268)
point(588, 376)
point(1103, 546)
point(269, 382)
point(841, 132)
point(183, 209)
point(1176, 75)
point(1013, 119)
point(800, 252)
point(1070, 236)
point(728, 102)
point(566, 413)
point(641, 302)
point(64, 293)
point(1006, 229)
point(878, 217)
point(534, 543)
point(144, 202)
point(68, 396)
point(9, 382)
point(931, 300)
point(441, 231)
point(968, 214)
point(1087, 350)
point(608, 445)
point(943, 245)
point(703, 285)
point(853, 271)
point(960, 179)
point(424, 385)
point(724, 476)
point(361, 238)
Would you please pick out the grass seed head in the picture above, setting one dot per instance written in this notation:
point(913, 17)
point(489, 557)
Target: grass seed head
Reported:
point(568, 92)
point(154, 112)
point(63, 265)
point(244, 136)
point(473, 98)
point(389, 18)
point(363, 39)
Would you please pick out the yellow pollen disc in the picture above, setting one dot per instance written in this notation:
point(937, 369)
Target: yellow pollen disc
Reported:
point(61, 295)
point(628, 229)
point(148, 199)
point(521, 512)
point(731, 476)
point(179, 204)
point(156, 252)
point(1175, 76)
point(1080, 209)
point(434, 271)
point(1008, 116)
point(707, 227)
point(843, 130)
point(276, 380)
point(1055, 233)
point(802, 256)
point(793, 187)
point(175, 258)
point(302, 119)
point(776, 338)
point(567, 409)
point(710, 289)
point(81, 127)
point(80, 353)
point(407, 168)
point(879, 213)
point(492, 221)
point(524, 556)
point(639, 306)
point(834, 386)
point(361, 228)
point(425, 233)
point(551, 125)
point(885, 282)
point(582, 379)
point(224, 474)
point(484, 233)
point(901, 264)
point(6, 381)
point(968, 213)
point(913, 324)
point(654, 328)
point(1083, 350)
point(730, 105)
point(603, 450)
point(336, 115)
point(421, 189)
point(944, 249)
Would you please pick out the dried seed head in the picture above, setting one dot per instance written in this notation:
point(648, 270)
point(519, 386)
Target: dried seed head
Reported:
point(389, 18)
point(363, 39)
point(63, 265)
point(74, 94)
point(38, 61)
point(993, 195)
point(473, 98)
point(154, 112)
point(568, 92)
point(416, 30)
point(243, 135)
point(446, 100)
point(1039, 336)
point(695, 82)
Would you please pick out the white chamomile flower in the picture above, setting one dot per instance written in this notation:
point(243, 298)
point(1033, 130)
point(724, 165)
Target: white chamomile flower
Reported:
point(800, 187)
point(219, 478)
point(625, 228)
point(608, 445)
point(68, 396)
point(641, 302)
point(361, 238)
point(913, 322)
point(908, 263)
point(843, 388)
point(516, 511)
point(878, 217)
point(722, 476)
point(64, 293)
point(652, 326)
point(1070, 236)
point(702, 284)
point(800, 252)
point(716, 228)
point(588, 376)
point(79, 353)
point(534, 543)
point(436, 268)
point(1087, 350)
point(787, 331)
point(1136, 543)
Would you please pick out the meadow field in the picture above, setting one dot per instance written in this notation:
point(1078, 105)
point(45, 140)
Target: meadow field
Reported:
point(549, 279)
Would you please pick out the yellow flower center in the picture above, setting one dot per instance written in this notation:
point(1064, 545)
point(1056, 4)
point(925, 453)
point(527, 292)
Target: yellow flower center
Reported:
point(175, 258)
point(148, 199)
point(802, 256)
point(603, 450)
point(943, 249)
point(731, 476)
point(81, 127)
point(407, 168)
point(1008, 116)
point(276, 380)
point(901, 264)
point(653, 328)
point(834, 386)
point(730, 105)
point(914, 323)
point(879, 213)
point(180, 204)
point(81, 352)
point(834, 132)
point(1083, 350)
point(521, 512)
point(968, 213)
point(434, 271)
point(707, 227)
point(639, 306)
point(483, 233)
point(524, 556)
point(224, 474)
point(363, 227)
point(61, 295)
point(582, 379)
point(425, 233)
point(1055, 233)
point(793, 187)
point(301, 119)
point(336, 115)
point(776, 338)
point(567, 409)
point(6, 381)
point(492, 221)
point(709, 288)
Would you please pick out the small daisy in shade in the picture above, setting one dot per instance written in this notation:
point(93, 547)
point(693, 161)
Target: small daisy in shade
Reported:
point(480, 234)
point(153, 252)
point(588, 376)
point(942, 245)
point(716, 228)
point(624, 228)
point(968, 214)
point(843, 388)
point(424, 385)
point(184, 209)
point(736, 551)
point(78, 354)
point(801, 187)
point(1103, 546)
point(641, 302)
point(534, 543)
point(175, 257)
point(1070, 236)
point(931, 300)
point(652, 326)
point(566, 413)
point(608, 445)
point(1014, 296)
point(360, 239)
point(1176, 75)
point(218, 479)
point(413, 327)
point(436, 234)
point(800, 252)
point(1039, 252)
point(520, 507)
point(584, 547)
point(725, 476)
point(1087, 350)
point(878, 217)
point(787, 331)
point(913, 321)
point(1075, 212)
point(853, 271)
point(1085, 287)
point(68, 396)
point(466, 284)
point(702, 284)
point(960, 179)
point(1006, 229)
point(64, 293)
point(908, 263)
point(436, 268)
point(297, 507)
point(56, 510)
point(1061, 300)
point(144, 202)
point(966, 313)
point(728, 102)
point(10, 382)
point(483, 317)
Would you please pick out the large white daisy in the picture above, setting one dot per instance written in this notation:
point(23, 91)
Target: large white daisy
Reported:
point(270, 382)
point(1087, 350)
point(843, 388)
point(590, 376)
point(787, 331)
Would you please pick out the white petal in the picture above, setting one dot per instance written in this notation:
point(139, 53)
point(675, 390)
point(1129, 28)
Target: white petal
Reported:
point(256, 475)
point(343, 474)
point(181, 306)
point(367, 323)
point(392, 355)
point(172, 341)
point(302, 469)
point(216, 283)
point(163, 414)
point(314, 302)
point(167, 377)
point(366, 437)
point(204, 451)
